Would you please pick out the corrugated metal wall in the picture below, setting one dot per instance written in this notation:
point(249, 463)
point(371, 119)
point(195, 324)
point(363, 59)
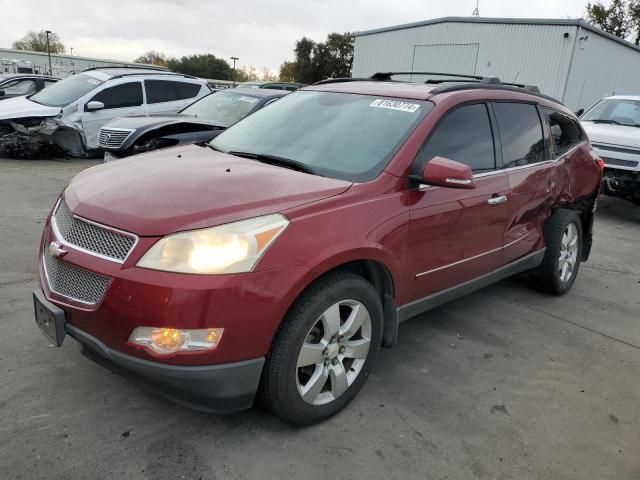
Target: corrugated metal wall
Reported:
point(533, 54)
point(601, 67)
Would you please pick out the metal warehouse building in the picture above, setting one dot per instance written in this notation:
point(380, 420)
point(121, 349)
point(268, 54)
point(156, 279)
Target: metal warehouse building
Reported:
point(568, 59)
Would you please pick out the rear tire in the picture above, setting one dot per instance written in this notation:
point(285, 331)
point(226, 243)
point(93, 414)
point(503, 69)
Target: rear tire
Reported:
point(324, 349)
point(563, 236)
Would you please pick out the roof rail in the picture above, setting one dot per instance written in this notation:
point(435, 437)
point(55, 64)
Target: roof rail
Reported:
point(341, 80)
point(386, 76)
point(133, 67)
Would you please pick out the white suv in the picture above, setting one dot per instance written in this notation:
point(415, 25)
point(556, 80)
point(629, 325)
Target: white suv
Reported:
point(613, 126)
point(70, 113)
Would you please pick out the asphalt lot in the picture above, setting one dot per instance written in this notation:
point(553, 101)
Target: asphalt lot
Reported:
point(507, 383)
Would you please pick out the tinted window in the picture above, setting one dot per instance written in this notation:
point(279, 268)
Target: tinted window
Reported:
point(565, 132)
point(19, 87)
point(120, 96)
point(521, 134)
point(159, 91)
point(66, 91)
point(464, 136)
point(338, 135)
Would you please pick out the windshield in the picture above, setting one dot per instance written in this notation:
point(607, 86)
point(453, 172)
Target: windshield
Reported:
point(616, 111)
point(346, 136)
point(66, 91)
point(223, 108)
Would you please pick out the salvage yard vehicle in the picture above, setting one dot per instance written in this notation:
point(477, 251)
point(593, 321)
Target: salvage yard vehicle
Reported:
point(68, 115)
point(199, 123)
point(20, 84)
point(290, 86)
point(613, 126)
point(280, 259)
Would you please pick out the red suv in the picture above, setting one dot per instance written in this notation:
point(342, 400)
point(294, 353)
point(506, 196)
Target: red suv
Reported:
point(281, 258)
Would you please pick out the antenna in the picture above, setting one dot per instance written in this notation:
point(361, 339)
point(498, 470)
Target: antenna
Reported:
point(476, 12)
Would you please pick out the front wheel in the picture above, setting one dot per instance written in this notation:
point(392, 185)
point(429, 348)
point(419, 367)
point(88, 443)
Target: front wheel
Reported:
point(563, 235)
point(324, 349)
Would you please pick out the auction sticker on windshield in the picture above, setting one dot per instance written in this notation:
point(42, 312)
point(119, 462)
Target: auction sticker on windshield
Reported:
point(395, 105)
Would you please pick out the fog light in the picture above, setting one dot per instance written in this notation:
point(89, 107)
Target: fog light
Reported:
point(165, 341)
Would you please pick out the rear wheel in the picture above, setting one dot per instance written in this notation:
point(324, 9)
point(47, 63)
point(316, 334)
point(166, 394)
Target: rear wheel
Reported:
point(563, 235)
point(323, 351)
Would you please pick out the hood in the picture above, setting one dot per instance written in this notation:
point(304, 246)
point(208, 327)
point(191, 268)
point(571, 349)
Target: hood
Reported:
point(612, 134)
point(22, 107)
point(191, 187)
point(151, 121)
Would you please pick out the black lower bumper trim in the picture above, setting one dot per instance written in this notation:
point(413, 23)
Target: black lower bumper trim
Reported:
point(222, 388)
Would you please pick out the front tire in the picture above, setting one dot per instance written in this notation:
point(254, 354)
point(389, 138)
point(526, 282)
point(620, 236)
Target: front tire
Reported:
point(323, 352)
point(563, 235)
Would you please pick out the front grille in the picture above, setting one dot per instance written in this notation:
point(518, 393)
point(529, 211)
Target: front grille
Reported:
point(112, 138)
point(613, 148)
point(90, 237)
point(73, 282)
point(619, 162)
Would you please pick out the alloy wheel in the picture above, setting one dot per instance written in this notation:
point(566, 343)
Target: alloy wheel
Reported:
point(568, 253)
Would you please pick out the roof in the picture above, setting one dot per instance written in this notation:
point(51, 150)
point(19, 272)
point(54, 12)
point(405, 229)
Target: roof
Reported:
point(6, 76)
point(569, 22)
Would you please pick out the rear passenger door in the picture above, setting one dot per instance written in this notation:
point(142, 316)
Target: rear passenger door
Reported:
point(169, 96)
point(456, 234)
point(532, 175)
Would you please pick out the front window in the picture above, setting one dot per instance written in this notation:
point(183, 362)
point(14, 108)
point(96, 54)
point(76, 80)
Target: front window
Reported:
point(223, 108)
point(615, 111)
point(66, 91)
point(339, 135)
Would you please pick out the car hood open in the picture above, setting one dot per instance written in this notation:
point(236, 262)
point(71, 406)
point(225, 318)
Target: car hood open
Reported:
point(189, 187)
point(612, 134)
point(22, 107)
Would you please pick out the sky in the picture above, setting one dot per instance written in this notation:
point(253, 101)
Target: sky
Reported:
point(261, 32)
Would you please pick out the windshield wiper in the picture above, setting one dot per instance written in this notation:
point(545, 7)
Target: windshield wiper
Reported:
point(604, 120)
point(275, 160)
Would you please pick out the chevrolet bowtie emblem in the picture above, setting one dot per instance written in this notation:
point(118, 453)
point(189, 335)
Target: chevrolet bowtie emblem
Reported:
point(56, 250)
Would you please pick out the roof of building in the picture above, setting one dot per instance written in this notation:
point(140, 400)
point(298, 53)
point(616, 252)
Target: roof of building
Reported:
point(67, 56)
point(569, 22)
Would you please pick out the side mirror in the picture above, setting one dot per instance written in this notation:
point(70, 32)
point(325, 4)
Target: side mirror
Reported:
point(93, 106)
point(579, 112)
point(1, 93)
point(442, 172)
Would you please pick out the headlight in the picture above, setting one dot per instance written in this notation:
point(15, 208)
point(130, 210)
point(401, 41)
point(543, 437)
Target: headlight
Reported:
point(231, 248)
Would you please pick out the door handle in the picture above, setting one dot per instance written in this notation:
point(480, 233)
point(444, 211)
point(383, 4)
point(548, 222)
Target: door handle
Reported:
point(497, 200)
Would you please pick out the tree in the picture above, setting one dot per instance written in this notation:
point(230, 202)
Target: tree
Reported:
point(287, 72)
point(152, 58)
point(204, 65)
point(318, 61)
point(620, 18)
point(37, 42)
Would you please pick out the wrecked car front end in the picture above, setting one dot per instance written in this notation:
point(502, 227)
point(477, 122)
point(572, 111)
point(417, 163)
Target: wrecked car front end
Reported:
point(33, 137)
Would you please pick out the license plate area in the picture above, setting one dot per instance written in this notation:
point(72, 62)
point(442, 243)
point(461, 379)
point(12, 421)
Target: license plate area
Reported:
point(49, 318)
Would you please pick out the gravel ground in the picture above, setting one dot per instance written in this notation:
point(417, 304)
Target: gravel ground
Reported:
point(507, 383)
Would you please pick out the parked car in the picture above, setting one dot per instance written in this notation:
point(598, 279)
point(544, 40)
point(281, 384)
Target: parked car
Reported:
point(613, 125)
point(69, 114)
point(199, 123)
point(19, 84)
point(291, 86)
point(282, 257)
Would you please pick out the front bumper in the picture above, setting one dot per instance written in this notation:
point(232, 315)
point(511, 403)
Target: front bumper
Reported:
point(222, 388)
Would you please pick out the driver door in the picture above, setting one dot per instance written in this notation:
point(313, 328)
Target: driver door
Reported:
point(120, 100)
point(457, 235)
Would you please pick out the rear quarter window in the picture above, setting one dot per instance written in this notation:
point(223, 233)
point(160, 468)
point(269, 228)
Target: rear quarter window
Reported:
point(564, 131)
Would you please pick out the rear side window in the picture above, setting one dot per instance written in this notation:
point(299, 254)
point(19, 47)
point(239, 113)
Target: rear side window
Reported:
point(521, 134)
point(464, 136)
point(160, 91)
point(120, 96)
point(565, 132)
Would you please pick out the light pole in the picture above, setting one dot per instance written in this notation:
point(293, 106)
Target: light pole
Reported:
point(49, 52)
point(72, 51)
point(234, 69)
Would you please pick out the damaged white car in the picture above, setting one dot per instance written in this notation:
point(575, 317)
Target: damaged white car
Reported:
point(68, 115)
